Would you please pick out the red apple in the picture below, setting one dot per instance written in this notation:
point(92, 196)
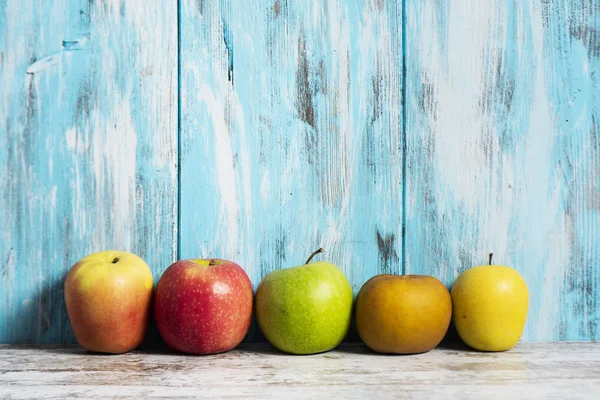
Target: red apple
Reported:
point(203, 306)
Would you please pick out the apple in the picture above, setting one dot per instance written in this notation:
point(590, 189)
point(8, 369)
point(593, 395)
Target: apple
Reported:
point(203, 306)
point(108, 297)
point(490, 307)
point(403, 314)
point(305, 309)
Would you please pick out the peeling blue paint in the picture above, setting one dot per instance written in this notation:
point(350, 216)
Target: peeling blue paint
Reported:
point(405, 136)
point(57, 57)
point(87, 158)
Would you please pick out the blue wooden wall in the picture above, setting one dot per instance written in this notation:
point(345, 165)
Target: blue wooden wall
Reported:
point(408, 136)
point(88, 148)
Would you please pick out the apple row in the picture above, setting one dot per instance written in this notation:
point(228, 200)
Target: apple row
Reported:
point(204, 306)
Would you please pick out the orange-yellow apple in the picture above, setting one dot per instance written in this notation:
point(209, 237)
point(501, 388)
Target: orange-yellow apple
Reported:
point(490, 307)
point(403, 314)
point(108, 296)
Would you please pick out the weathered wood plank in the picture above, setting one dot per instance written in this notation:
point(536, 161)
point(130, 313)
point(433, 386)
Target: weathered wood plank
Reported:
point(292, 139)
point(540, 370)
point(291, 133)
point(503, 110)
point(88, 148)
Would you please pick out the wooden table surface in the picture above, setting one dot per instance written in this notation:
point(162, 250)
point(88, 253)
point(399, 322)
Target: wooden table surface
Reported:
point(535, 370)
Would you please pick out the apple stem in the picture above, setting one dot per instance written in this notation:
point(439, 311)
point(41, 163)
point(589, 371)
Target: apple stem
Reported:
point(314, 253)
point(116, 260)
point(491, 255)
point(212, 261)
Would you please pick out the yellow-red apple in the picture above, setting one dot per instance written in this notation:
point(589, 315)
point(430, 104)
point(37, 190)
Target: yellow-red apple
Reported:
point(109, 301)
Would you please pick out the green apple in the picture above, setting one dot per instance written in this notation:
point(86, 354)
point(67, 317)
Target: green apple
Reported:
point(305, 309)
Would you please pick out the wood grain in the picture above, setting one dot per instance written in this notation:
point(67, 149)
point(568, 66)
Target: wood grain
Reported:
point(88, 148)
point(291, 134)
point(532, 371)
point(503, 153)
point(291, 138)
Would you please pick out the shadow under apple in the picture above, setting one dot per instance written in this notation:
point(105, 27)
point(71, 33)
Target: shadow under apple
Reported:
point(40, 318)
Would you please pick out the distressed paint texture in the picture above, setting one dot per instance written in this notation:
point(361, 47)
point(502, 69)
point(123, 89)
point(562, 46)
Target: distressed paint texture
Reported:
point(88, 148)
point(291, 134)
point(291, 138)
point(503, 156)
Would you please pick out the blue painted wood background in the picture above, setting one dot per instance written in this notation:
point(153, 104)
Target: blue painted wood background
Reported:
point(406, 136)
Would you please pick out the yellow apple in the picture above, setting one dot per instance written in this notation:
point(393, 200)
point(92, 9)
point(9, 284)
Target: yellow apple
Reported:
point(490, 305)
point(403, 314)
point(108, 296)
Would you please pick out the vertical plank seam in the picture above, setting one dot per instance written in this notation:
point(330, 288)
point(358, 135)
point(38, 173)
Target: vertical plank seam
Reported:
point(178, 227)
point(404, 142)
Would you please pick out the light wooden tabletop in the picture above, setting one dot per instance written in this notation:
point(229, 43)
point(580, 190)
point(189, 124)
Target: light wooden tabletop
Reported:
point(535, 370)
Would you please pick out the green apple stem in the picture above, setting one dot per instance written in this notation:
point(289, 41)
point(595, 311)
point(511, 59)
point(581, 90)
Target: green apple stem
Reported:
point(491, 255)
point(212, 261)
point(314, 253)
point(116, 260)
